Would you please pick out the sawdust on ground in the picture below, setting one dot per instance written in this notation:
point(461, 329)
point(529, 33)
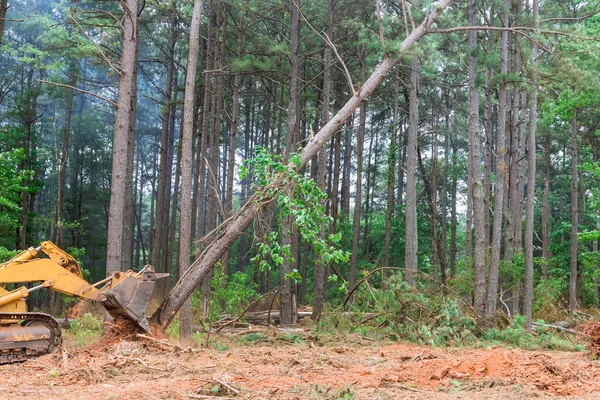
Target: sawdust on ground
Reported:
point(352, 368)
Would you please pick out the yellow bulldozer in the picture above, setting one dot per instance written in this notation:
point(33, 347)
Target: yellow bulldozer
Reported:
point(25, 335)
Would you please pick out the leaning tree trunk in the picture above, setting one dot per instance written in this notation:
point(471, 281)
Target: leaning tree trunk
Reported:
point(244, 217)
point(125, 107)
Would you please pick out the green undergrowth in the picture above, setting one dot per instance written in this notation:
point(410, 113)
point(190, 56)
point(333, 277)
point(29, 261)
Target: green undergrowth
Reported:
point(516, 336)
point(84, 330)
point(402, 313)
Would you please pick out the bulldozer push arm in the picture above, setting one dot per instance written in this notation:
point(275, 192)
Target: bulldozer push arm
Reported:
point(22, 334)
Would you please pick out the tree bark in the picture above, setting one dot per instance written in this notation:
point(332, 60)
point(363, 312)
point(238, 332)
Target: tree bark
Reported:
point(529, 213)
point(574, 214)
point(3, 10)
point(187, 161)
point(205, 126)
point(475, 167)
point(235, 113)
point(501, 169)
point(319, 265)
point(288, 293)
point(62, 169)
point(453, 217)
point(244, 217)
point(487, 185)
point(360, 138)
point(127, 245)
point(546, 210)
point(411, 250)
point(125, 107)
point(391, 178)
point(164, 173)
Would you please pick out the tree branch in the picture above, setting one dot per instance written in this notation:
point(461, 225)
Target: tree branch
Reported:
point(117, 70)
point(514, 29)
point(329, 43)
point(79, 90)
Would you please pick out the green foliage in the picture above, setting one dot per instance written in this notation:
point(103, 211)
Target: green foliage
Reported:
point(304, 202)
point(6, 254)
point(85, 330)
point(254, 337)
point(237, 293)
point(403, 313)
point(516, 336)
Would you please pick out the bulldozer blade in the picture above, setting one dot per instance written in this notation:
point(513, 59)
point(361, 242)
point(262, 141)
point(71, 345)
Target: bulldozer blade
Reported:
point(129, 297)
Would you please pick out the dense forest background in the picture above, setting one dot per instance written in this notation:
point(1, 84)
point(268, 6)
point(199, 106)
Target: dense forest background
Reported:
point(472, 169)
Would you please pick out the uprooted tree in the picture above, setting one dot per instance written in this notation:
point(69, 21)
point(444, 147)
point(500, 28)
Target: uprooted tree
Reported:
point(235, 226)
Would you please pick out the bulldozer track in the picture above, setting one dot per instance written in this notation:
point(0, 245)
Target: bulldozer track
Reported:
point(20, 352)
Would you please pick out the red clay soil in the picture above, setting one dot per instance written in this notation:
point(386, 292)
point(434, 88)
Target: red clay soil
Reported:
point(359, 369)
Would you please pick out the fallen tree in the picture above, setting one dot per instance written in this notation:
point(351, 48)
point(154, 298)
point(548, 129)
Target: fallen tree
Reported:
point(235, 226)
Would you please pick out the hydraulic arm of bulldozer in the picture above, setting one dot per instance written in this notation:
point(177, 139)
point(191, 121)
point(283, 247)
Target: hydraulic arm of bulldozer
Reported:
point(124, 294)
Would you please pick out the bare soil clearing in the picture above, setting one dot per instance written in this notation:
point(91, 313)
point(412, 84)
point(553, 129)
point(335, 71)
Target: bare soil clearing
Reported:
point(355, 368)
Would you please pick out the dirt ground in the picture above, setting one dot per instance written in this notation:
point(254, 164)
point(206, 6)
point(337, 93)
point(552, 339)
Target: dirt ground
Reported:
point(272, 368)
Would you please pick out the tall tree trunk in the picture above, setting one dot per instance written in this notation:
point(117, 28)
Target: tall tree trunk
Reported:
point(487, 185)
point(62, 169)
point(546, 210)
point(168, 242)
point(319, 265)
point(410, 255)
point(127, 248)
point(529, 213)
point(235, 113)
point(391, 178)
point(213, 143)
point(125, 107)
point(574, 214)
point(475, 167)
point(360, 138)
point(288, 295)
point(164, 172)
point(345, 201)
point(205, 126)
point(431, 196)
point(187, 162)
point(174, 208)
point(244, 217)
point(501, 168)
point(371, 169)
point(3, 10)
point(453, 216)
point(29, 116)
point(401, 160)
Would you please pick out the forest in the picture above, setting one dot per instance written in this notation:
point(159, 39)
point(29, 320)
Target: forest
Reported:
point(432, 167)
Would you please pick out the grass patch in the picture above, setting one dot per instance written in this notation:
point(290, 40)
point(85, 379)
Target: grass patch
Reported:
point(84, 330)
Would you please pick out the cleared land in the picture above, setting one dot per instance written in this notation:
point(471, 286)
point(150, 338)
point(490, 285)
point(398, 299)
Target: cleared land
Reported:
point(269, 366)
